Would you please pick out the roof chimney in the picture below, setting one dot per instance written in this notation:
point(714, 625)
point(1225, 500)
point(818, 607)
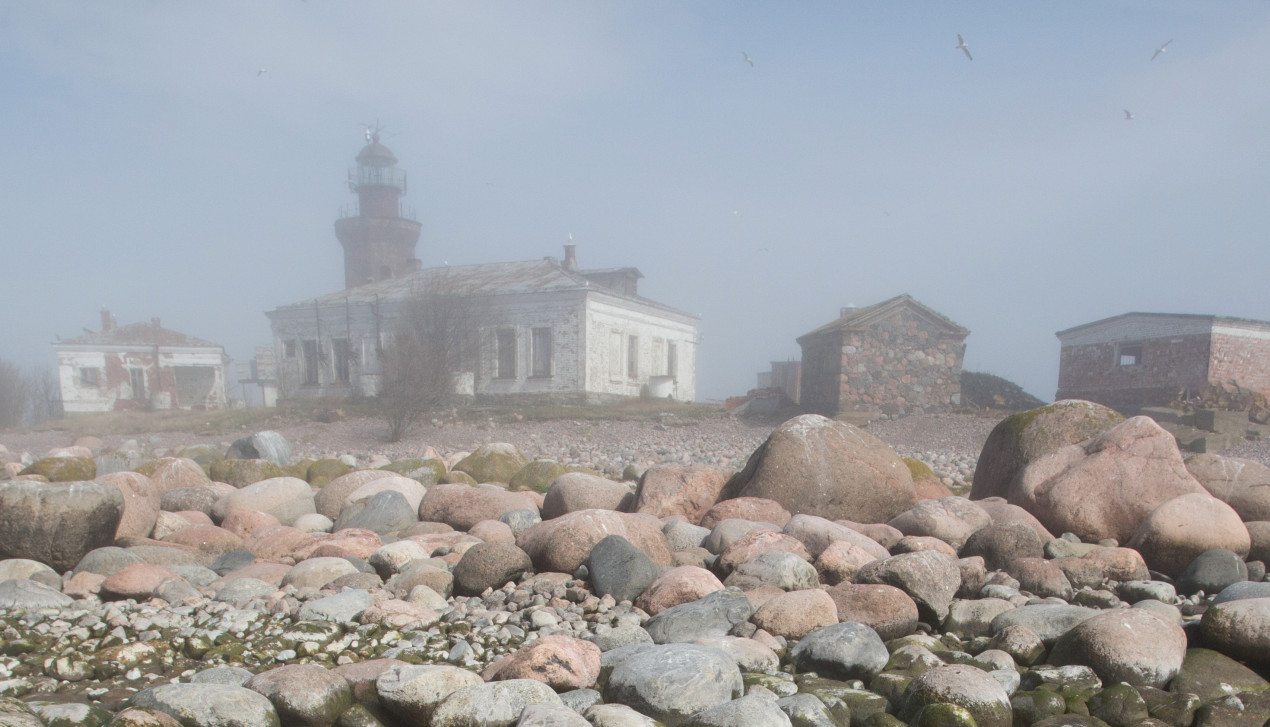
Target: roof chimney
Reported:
point(107, 322)
point(847, 310)
point(571, 258)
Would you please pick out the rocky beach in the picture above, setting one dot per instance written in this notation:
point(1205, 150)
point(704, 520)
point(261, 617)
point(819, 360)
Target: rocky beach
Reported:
point(1063, 566)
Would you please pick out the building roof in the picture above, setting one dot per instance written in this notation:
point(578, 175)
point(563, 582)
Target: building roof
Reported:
point(1213, 320)
point(859, 319)
point(138, 334)
point(530, 276)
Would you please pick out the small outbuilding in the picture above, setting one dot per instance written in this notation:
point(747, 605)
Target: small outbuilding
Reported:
point(139, 366)
point(1137, 360)
point(897, 357)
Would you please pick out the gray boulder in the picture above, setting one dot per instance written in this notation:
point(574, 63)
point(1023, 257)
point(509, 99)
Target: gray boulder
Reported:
point(620, 569)
point(261, 445)
point(1048, 621)
point(968, 687)
point(774, 568)
point(929, 577)
point(413, 692)
point(496, 704)
point(209, 705)
point(385, 512)
point(712, 615)
point(304, 695)
point(56, 523)
point(743, 712)
point(21, 594)
point(673, 682)
point(843, 651)
point(489, 565)
point(340, 608)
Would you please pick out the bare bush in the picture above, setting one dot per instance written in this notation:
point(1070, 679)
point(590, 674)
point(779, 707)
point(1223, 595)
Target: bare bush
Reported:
point(29, 398)
point(13, 393)
point(435, 339)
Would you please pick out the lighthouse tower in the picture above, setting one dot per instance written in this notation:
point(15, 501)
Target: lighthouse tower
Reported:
point(379, 241)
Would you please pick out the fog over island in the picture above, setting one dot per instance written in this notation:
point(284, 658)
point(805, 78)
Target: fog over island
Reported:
point(761, 166)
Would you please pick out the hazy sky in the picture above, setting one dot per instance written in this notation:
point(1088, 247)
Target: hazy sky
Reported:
point(151, 169)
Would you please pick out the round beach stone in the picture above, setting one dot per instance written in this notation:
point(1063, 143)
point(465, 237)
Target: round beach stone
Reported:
point(619, 569)
point(842, 651)
point(141, 499)
point(575, 491)
point(489, 565)
point(688, 492)
point(890, 612)
point(209, 705)
point(753, 509)
point(563, 544)
point(462, 506)
point(1000, 543)
point(56, 523)
point(711, 615)
point(1046, 620)
point(1239, 629)
point(817, 534)
point(1125, 645)
point(23, 594)
point(673, 682)
point(305, 695)
point(317, 572)
point(950, 519)
point(795, 614)
point(742, 712)
point(286, 498)
point(776, 568)
point(412, 692)
point(929, 577)
point(386, 511)
point(497, 462)
point(1211, 571)
point(811, 464)
point(973, 689)
point(340, 608)
point(1178, 531)
point(561, 662)
point(496, 704)
point(682, 584)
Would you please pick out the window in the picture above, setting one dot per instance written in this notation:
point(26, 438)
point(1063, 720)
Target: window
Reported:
point(507, 353)
point(310, 362)
point(659, 357)
point(137, 377)
point(672, 360)
point(342, 354)
point(632, 357)
point(615, 356)
point(90, 377)
point(541, 353)
point(1129, 354)
point(288, 349)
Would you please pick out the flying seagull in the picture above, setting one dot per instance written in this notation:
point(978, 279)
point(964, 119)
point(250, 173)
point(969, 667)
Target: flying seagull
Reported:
point(746, 57)
point(1128, 116)
point(961, 45)
point(1161, 49)
point(261, 72)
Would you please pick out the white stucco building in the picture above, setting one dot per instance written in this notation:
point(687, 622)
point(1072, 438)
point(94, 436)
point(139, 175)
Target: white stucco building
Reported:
point(139, 366)
point(546, 329)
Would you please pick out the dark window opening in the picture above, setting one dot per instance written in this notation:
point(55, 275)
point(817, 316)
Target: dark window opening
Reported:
point(137, 378)
point(90, 376)
point(310, 362)
point(507, 353)
point(672, 360)
point(632, 357)
point(1129, 354)
point(342, 354)
point(288, 349)
point(541, 353)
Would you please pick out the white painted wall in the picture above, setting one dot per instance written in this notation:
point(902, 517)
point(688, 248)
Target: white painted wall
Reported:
point(610, 324)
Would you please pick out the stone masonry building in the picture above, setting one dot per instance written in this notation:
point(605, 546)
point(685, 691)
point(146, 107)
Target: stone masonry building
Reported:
point(897, 357)
point(546, 328)
point(139, 366)
point(1137, 360)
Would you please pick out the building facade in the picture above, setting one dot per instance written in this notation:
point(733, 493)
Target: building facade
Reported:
point(139, 366)
point(1136, 360)
point(897, 357)
point(544, 328)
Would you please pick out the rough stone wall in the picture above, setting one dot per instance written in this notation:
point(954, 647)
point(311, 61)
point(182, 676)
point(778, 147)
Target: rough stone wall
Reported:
point(822, 368)
point(1166, 367)
point(902, 364)
point(1242, 358)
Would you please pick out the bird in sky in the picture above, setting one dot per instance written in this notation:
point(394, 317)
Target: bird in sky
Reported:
point(1128, 116)
point(1161, 49)
point(261, 72)
point(961, 45)
point(746, 57)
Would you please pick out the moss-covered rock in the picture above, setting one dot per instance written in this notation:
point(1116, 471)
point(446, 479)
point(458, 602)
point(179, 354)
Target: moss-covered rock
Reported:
point(944, 715)
point(1034, 706)
point(456, 478)
point(63, 469)
point(537, 476)
point(1119, 705)
point(243, 472)
point(73, 715)
point(427, 471)
point(1023, 438)
point(324, 470)
point(298, 469)
point(205, 454)
point(1210, 674)
point(497, 462)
